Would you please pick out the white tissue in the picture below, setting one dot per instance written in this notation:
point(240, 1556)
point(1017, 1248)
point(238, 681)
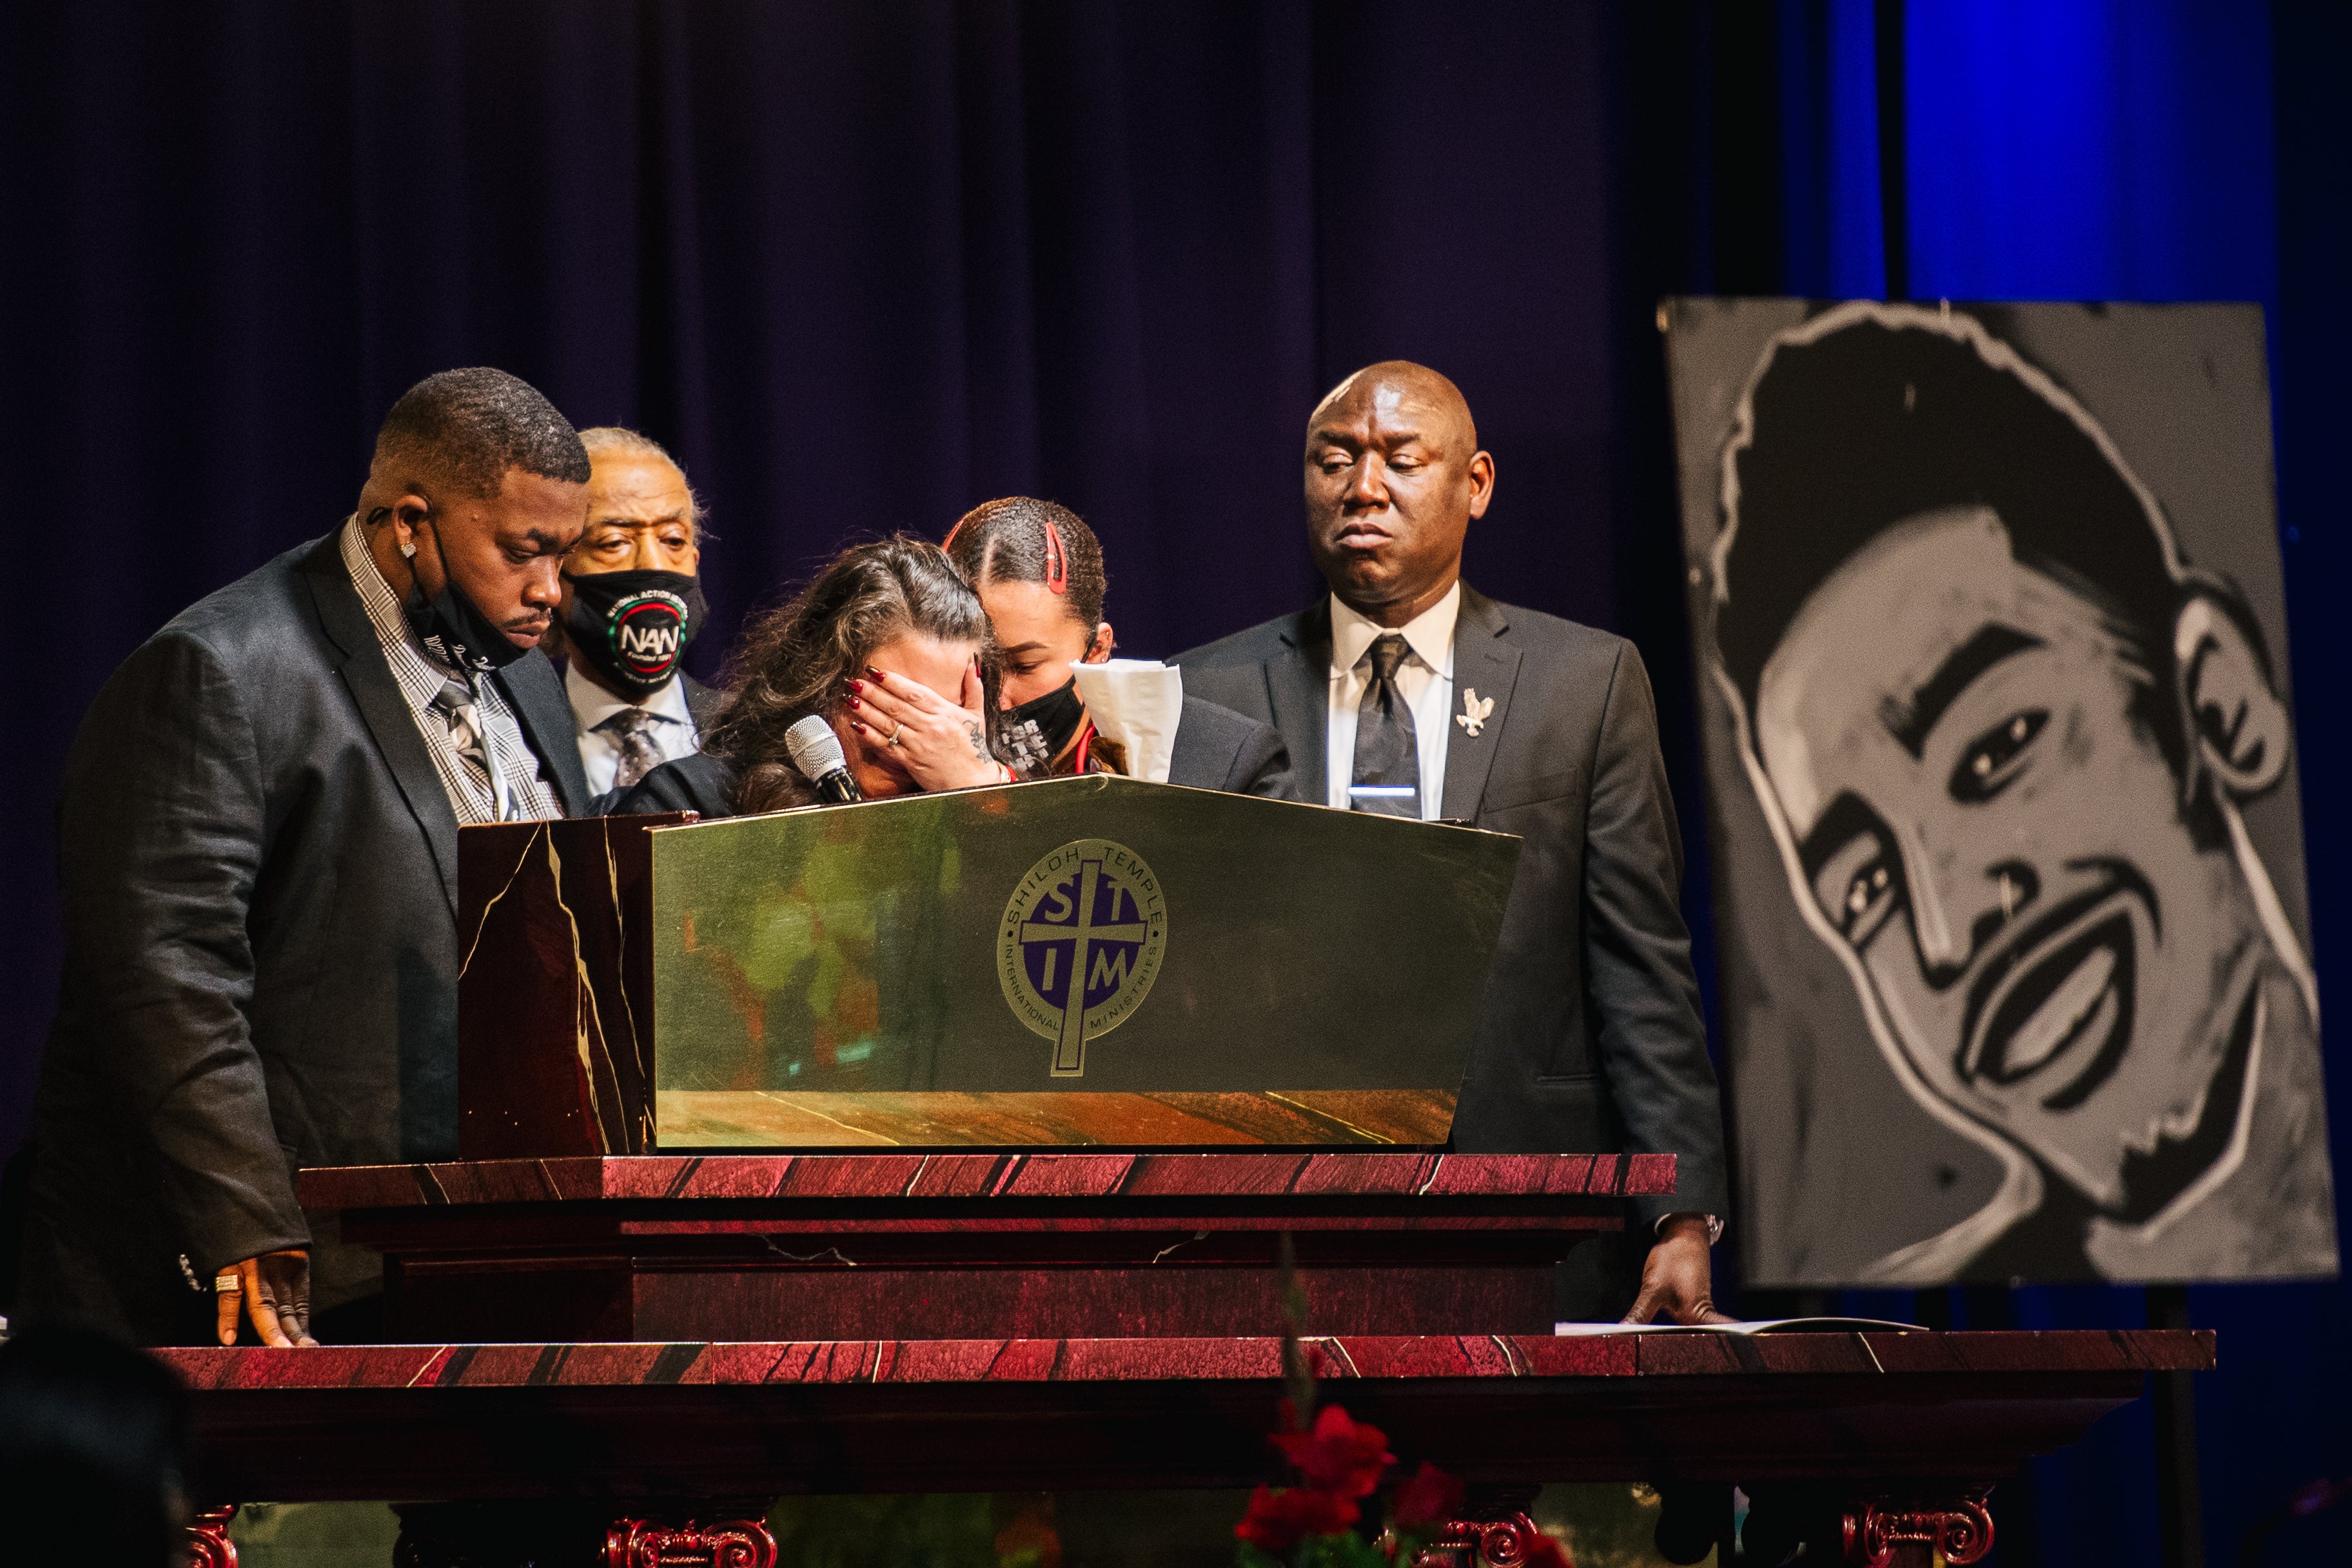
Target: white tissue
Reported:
point(1138, 704)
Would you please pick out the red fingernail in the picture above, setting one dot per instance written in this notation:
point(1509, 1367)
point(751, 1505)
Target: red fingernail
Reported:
point(858, 685)
point(873, 674)
point(854, 703)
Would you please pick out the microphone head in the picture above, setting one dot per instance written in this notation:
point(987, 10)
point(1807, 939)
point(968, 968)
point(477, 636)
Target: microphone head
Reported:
point(816, 750)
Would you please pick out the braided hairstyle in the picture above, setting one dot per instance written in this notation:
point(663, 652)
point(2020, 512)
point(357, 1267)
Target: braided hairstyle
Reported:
point(1021, 539)
point(800, 660)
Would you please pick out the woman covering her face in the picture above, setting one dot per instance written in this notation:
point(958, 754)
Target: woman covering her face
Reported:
point(890, 646)
point(1039, 570)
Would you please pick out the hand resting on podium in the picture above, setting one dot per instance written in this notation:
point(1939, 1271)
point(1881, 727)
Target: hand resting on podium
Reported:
point(275, 1292)
point(1676, 1278)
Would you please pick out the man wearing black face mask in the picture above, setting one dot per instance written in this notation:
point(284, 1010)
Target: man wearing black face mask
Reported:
point(257, 849)
point(631, 602)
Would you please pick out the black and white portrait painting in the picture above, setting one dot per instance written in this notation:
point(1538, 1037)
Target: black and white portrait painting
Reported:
point(2015, 973)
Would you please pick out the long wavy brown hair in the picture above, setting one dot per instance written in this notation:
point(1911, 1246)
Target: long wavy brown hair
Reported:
point(799, 659)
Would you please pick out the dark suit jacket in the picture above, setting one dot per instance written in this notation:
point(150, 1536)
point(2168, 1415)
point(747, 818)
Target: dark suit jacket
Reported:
point(1215, 748)
point(259, 872)
point(703, 701)
point(1590, 1038)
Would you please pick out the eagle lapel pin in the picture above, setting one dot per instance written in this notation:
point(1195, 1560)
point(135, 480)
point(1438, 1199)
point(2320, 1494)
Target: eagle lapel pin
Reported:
point(1473, 717)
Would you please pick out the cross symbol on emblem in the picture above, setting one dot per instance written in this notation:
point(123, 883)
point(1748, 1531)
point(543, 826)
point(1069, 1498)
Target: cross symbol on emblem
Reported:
point(1081, 938)
point(1098, 897)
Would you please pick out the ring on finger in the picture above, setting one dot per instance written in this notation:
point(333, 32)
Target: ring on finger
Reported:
point(228, 1284)
point(895, 734)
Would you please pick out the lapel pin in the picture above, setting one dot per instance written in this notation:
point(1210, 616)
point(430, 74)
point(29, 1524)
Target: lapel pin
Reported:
point(1473, 717)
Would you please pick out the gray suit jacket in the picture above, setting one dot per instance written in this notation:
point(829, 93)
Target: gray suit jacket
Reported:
point(1590, 1038)
point(259, 872)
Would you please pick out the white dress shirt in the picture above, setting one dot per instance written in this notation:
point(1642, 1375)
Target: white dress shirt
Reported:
point(600, 750)
point(1425, 678)
point(521, 793)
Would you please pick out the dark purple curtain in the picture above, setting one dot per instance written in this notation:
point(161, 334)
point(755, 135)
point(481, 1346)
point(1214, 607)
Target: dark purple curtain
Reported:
point(861, 265)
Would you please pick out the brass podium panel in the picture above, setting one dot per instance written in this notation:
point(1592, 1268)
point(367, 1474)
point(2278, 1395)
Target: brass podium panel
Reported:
point(902, 972)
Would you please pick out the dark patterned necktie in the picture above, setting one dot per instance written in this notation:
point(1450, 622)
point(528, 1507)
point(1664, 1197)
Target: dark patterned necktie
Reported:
point(631, 730)
point(456, 707)
point(1386, 780)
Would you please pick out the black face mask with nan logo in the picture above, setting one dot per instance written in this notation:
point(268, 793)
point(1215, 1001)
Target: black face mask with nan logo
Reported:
point(631, 627)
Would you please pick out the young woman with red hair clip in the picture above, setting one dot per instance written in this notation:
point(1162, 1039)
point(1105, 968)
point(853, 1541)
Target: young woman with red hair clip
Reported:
point(1038, 570)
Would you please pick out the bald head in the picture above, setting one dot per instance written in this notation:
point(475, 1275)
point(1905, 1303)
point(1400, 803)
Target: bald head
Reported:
point(1400, 383)
point(1393, 478)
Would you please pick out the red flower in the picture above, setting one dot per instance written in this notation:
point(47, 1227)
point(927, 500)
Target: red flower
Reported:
point(1278, 1521)
point(1340, 1455)
point(1428, 1497)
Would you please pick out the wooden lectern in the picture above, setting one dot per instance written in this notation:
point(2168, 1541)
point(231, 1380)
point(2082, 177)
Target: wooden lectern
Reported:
point(970, 1142)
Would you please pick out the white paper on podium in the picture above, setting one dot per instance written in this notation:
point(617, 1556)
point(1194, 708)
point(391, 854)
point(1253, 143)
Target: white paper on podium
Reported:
point(1137, 703)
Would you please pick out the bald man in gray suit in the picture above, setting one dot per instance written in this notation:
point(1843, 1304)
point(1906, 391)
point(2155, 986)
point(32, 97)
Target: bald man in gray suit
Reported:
point(1406, 692)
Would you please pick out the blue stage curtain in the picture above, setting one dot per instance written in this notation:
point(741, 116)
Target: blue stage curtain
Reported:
point(1829, 139)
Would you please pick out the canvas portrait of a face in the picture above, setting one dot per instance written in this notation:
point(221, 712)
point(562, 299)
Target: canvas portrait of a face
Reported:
point(2002, 733)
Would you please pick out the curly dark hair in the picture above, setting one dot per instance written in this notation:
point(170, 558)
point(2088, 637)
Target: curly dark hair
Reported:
point(799, 659)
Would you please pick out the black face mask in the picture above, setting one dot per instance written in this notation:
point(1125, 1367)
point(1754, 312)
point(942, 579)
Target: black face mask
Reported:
point(452, 630)
point(1041, 729)
point(631, 627)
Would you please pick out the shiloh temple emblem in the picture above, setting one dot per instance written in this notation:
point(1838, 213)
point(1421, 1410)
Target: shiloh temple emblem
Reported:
point(1080, 945)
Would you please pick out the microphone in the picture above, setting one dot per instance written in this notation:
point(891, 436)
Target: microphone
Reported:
point(816, 750)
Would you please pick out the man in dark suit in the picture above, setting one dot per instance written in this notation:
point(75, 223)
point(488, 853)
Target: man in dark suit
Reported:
point(1406, 692)
point(257, 847)
point(631, 602)
point(1216, 748)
